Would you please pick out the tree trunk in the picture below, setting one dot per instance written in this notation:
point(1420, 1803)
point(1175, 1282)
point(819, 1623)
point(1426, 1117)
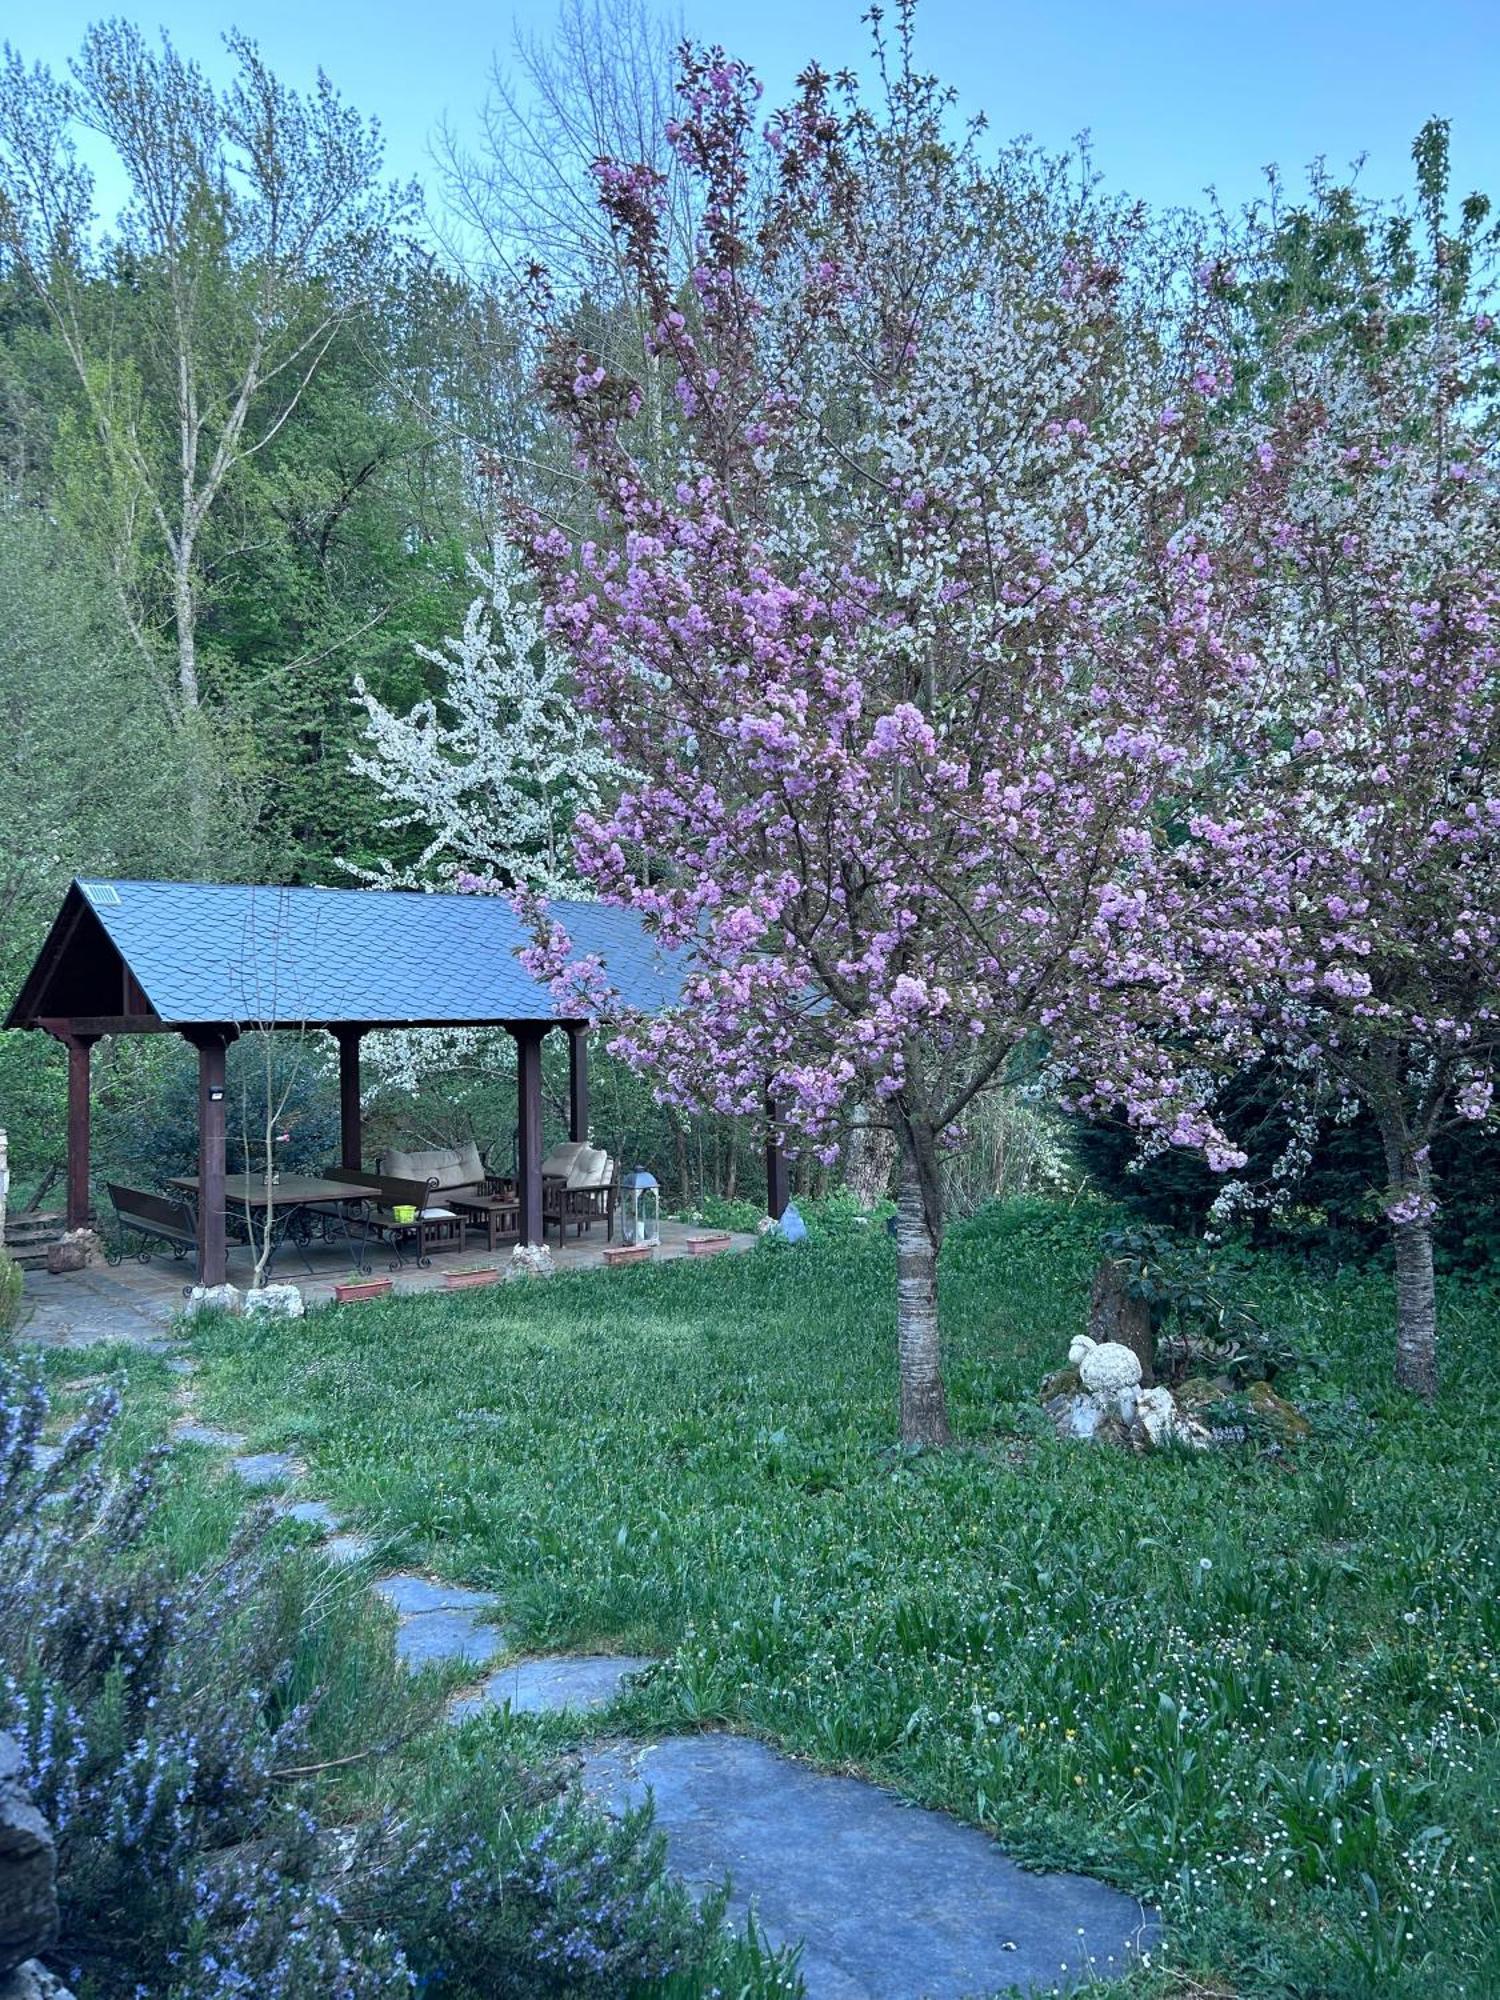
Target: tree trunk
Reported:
point(185, 616)
point(1114, 1315)
point(868, 1158)
point(1410, 1195)
point(924, 1405)
point(1416, 1310)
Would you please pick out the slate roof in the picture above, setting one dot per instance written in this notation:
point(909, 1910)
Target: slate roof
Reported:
point(205, 951)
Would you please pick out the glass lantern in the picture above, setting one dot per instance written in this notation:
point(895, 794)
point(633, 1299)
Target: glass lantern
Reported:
point(640, 1207)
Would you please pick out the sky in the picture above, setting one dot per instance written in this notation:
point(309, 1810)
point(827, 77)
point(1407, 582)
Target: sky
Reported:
point(1177, 96)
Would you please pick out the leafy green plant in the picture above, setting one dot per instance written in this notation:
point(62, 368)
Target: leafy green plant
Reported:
point(1202, 1322)
point(12, 1284)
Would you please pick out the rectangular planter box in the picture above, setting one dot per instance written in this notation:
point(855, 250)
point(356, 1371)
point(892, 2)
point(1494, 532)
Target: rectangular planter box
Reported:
point(362, 1288)
point(467, 1281)
point(710, 1243)
point(628, 1253)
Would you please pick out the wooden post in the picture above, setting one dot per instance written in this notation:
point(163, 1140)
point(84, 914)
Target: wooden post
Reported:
point(578, 1083)
point(351, 1130)
point(79, 1206)
point(213, 1249)
point(528, 1036)
point(778, 1191)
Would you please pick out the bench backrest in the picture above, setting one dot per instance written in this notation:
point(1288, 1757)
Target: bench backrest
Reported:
point(390, 1190)
point(152, 1214)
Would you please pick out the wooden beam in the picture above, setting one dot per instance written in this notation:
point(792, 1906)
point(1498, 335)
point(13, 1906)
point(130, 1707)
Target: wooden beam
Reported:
point(213, 1249)
point(778, 1186)
point(528, 1036)
point(578, 1082)
point(97, 1025)
point(80, 1207)
point(351, 1131)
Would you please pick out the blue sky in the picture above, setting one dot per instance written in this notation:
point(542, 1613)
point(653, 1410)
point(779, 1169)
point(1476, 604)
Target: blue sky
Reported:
point(1177, 96)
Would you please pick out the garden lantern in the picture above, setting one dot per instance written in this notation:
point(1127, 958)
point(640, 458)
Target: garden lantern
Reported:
point(640, 1207)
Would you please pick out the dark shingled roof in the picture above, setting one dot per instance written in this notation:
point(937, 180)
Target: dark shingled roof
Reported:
point(204, 951)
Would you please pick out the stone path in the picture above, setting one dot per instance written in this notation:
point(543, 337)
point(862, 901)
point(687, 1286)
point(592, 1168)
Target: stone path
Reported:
point(92, 1306)
point(890, 1902)
point(893, 1902)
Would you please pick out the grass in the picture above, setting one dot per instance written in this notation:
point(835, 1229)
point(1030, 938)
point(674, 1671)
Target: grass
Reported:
point(1259, 1691)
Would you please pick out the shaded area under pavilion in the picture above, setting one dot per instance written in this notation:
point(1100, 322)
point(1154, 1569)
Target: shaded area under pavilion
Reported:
point(210, 961)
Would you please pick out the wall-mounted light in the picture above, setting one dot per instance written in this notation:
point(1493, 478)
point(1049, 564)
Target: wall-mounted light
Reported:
point(216, 1093)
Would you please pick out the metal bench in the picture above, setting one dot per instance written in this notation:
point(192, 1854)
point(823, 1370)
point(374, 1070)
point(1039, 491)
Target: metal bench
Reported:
point(155, 1217)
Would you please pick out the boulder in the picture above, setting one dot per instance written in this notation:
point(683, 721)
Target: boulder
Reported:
point(28, 1867)
point(32, 1981)
point(531, 1260)
point(1283, 1419)
point(276, 1301)
point(213, 1298)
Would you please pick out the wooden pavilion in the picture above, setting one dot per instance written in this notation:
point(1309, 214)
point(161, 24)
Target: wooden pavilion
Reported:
point(209, 961)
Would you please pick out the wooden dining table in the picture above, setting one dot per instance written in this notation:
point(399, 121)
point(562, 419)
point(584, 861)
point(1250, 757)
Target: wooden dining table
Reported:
point(294, 1196)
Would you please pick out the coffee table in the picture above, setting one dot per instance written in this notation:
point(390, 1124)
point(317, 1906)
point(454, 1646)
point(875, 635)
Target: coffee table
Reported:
point(496, 1214)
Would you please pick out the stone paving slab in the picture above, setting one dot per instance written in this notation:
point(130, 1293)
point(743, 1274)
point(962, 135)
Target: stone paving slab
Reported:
point(893, 1902)
point(441, 1623)
point(445, 1638)
point(208, 1434)
point(547, 1687)
point(312, 1514)
point(264, 1468)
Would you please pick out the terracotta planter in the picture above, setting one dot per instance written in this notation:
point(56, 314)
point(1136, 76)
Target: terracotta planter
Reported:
point(710, 1243)
point(628, 1253)
point(465, 1281)
point(356, 1289)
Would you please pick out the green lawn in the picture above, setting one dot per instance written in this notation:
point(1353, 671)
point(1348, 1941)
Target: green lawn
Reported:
point(1261, 1692)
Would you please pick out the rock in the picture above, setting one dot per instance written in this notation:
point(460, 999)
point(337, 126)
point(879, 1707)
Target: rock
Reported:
point(75, 1250)
point(1275, 1413)
point(1076, 1416)
point(531, 1260)
point(213, 1298)
point(1117, 1319)
point(28, 1867)
point(32, 1981)
point(1156, 1414)
point(275, 1301)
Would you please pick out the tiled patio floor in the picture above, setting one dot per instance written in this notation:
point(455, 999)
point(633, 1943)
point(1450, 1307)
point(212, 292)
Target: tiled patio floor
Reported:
point(134, 1301)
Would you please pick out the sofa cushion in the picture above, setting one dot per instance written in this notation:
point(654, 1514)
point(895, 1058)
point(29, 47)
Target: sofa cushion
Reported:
point(559, 1161)
point(449, 1166)
point(590, 1168)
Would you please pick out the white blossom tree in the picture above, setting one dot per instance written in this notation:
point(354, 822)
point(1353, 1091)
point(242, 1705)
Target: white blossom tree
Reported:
point(489, 775)
point(493, 771)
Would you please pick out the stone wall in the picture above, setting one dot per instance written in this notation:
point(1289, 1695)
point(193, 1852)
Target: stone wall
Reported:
point(28, 1886)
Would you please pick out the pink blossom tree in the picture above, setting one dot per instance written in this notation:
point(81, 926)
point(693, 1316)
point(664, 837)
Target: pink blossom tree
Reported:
point(1338, 895)
point(904, 653)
